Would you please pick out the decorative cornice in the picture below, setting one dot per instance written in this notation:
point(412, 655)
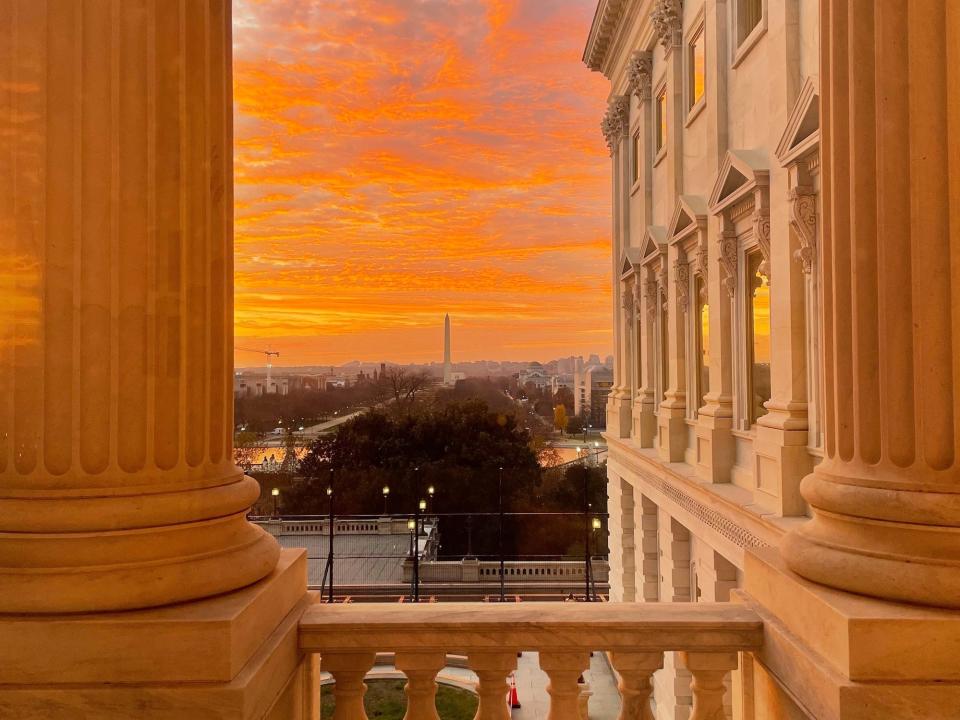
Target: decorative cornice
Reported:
point(803, 219)
point(640, 74)
point(667, 18)
point(616, 122)
point(602, 30)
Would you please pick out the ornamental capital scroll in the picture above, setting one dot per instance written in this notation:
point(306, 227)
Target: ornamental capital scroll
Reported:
point(667, 17)
point(616, 121)
point(640, 74)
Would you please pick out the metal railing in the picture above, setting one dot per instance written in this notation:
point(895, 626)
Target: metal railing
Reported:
point(494, 557)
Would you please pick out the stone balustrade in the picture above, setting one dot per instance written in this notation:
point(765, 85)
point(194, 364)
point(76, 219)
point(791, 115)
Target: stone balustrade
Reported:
point(707, 636)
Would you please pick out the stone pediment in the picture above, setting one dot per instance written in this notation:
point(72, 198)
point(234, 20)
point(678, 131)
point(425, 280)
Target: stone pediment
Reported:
point(802, 133)
point(690, 213)
point(654, 243)
point(630, 260)
point(742, 171)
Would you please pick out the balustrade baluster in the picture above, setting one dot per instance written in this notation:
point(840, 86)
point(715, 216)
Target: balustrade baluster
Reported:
point(348, 671)
point(708, 671)
point(636, 682)
point(421, 670)
point(564, 669)
point(492, 669)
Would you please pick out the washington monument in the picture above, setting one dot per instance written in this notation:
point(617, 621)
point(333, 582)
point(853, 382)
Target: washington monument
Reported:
point(447, 365)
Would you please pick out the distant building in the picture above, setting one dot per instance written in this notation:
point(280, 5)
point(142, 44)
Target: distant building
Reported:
point(591, 390)
point(536, 375)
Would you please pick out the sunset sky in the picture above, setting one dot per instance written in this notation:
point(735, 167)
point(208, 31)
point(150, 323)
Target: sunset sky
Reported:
point(399, 159)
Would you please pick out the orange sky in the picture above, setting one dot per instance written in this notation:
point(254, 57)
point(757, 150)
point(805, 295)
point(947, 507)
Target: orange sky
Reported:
point(399, 159)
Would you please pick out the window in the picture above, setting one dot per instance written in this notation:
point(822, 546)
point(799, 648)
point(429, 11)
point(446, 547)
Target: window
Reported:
point(749, 14)
point(703, 341)
point(636, 157)
point(758, 341)
point(661, 119)
point(697, 67)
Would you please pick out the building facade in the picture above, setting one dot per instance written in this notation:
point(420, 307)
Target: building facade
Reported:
point(715, 415)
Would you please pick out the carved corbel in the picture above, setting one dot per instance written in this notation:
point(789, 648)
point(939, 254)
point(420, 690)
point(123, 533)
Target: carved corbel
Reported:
point(728, 260)
point(640, 74)
point(803, 219)
point(701, 258)
point(681, 270)
point(667, 18)
point(650, 290)
point(627, 303)
point(761, 231)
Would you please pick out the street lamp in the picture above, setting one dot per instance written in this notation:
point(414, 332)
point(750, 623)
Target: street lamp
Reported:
point(430, 492)
point(386, 497)
point(330, 539)
point(500, 529)
point(276, 501)
point(596, 523)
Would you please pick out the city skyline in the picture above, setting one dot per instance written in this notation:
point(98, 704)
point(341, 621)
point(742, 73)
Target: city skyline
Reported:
point(398, 161)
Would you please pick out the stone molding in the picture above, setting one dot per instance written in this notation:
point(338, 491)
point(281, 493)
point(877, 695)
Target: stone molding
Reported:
point(739, 536)
point(604, 27)
point(728, 260)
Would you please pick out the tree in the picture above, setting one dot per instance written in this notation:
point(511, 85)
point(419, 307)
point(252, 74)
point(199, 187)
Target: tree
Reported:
point(401, 387)
point(560, 418)
point(574, 424)
point(247, 449)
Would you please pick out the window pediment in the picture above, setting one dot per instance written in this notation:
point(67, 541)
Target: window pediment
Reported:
point(802, 133)
point(742, 172)
point(654, 244)
point(689, 215)
point(629, 262)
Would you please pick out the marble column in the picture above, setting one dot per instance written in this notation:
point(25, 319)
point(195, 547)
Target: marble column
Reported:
point(886, 498)
point(117, 484)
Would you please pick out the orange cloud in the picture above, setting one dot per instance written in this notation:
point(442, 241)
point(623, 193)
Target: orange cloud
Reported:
point(397, 160)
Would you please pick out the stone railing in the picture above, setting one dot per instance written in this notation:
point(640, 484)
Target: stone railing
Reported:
point(707, 637)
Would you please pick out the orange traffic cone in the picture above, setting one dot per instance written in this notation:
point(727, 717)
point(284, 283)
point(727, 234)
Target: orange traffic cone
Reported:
point(514, 699)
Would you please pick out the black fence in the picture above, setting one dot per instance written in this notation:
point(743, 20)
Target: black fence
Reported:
point(427, 557)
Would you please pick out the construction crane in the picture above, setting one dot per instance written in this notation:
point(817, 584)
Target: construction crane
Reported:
point(270, 355)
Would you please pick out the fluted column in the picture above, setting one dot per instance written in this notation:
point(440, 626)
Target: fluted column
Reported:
point(886, 498)
point(117, 487)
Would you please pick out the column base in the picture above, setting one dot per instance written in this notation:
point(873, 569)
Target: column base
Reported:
point(832, 655)
point(887, 542)
point(781, 461)
point(715, 451)
point(618, 414)
point(235, 656)
point(644, 422)
point(672, 434)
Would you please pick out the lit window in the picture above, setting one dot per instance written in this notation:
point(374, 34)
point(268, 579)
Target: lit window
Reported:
point(758, 344)
point(661, 119)
point(703, 341)
point(698, 67)
point(636, 157)
point(749, 14)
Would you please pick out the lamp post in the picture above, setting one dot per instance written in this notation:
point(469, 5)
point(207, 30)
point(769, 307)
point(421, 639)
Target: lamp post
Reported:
point(412, 529)
point(430, 491)
point(276, 501)
point(386, 498)
point(586, 532)
point(330, 533)
point(500, 529)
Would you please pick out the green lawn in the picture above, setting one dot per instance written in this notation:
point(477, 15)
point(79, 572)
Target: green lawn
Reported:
point(385, 700)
